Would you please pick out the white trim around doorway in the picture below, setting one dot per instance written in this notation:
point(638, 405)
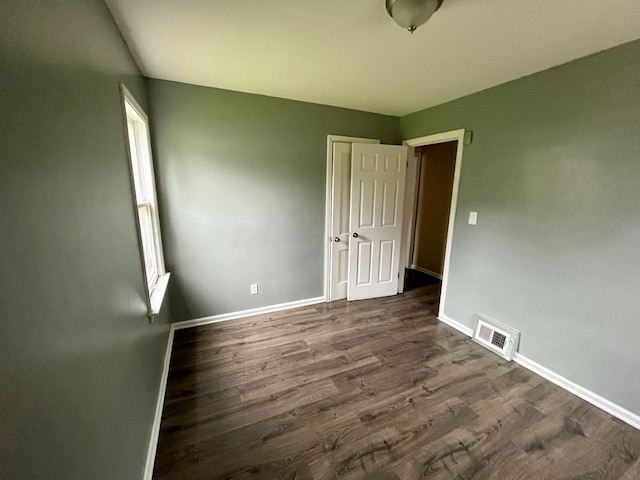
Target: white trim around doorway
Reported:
point(453, 135)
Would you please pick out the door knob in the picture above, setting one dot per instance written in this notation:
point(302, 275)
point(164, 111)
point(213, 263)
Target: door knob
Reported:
point(336, 239)
point(355, 235)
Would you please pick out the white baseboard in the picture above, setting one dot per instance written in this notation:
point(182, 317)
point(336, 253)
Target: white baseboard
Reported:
point(247, 313)
point(579, 391)
point(593, 398)
point(427, 271)
point(155, 429)
point(457, 325)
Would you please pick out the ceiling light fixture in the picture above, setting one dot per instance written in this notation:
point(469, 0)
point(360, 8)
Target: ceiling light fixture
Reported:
point(410, 14)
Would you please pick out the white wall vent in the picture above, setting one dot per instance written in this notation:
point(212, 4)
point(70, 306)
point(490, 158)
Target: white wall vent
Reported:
point(497, 337)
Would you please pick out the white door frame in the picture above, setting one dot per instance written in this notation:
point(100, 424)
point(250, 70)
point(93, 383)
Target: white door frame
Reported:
point(328, 218)
point(408, 214)
point(453, 135)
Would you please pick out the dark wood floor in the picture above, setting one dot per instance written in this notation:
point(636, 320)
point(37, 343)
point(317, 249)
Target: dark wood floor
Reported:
point(376, 389)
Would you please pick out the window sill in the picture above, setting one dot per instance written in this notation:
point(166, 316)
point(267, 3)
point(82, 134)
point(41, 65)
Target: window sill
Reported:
point(157, 296)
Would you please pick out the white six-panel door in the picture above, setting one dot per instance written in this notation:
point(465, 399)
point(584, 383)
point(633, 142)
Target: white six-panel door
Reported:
point(377, 194)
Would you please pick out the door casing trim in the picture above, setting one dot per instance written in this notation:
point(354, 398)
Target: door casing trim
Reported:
point(453, 135)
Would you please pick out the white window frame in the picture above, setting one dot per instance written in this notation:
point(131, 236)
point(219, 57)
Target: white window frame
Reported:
point(145, 201)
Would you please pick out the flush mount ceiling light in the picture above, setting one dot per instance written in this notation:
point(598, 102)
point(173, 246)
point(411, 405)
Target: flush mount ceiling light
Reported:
point(410, 14)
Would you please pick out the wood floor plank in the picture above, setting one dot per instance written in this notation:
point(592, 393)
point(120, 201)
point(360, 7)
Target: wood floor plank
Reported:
point(378, 390)
point(633, 472)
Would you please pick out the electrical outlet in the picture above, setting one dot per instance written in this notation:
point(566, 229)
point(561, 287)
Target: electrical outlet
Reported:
point(254, 289)
point(473, 218)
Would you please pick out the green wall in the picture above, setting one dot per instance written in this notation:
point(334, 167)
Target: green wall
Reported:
point(242, 186)
point(80, 362)
point(554, 174)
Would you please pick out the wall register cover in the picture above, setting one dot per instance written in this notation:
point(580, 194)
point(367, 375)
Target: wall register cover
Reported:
point(497, 337)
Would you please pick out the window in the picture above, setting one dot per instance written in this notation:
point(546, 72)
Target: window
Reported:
point(146, 203)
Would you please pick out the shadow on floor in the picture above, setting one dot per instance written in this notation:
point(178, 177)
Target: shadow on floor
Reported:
point(414, 279)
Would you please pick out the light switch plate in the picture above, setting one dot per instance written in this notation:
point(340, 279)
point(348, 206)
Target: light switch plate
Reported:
point(473, 218)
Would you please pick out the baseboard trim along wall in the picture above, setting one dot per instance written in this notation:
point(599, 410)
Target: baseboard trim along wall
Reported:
point(457, 325)
point(247, 313)
point(155, 429)
point(579, 391)
point(427, 271)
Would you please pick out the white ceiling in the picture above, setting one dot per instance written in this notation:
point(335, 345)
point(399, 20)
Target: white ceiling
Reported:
point(349, 53)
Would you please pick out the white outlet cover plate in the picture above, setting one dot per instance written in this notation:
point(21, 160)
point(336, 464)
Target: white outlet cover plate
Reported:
point(473, 218)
